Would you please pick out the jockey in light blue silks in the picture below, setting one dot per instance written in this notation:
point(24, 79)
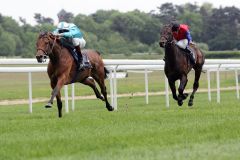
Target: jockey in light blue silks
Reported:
point(70, 30)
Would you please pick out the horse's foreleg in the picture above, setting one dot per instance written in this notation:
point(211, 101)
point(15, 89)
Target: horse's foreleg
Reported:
point(183, 83)
point(59, 104)
point(53, 85)
point(173, 89)
point(195, 85)
point(56, 93)
point(50, 102)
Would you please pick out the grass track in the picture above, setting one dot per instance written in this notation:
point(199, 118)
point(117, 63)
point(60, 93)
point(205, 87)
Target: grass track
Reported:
point(135, 131)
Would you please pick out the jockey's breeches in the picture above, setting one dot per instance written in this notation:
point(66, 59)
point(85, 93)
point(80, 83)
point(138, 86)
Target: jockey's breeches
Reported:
point(79, 41)
point(182, 43)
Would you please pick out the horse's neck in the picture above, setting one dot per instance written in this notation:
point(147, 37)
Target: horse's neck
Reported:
point(55, 55)
point(171, 53)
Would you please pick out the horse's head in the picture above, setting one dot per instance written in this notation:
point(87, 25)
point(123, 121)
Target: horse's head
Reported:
point(44, 45)
point(166, 35)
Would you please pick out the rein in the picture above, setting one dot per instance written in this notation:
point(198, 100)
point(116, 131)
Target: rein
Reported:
point(53, 43)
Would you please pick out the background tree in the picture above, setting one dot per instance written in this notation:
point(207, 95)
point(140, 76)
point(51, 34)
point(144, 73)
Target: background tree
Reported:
point(114, 32)
point(65, 16)
point(167, 13)
point(41, 20)
point(223, 29)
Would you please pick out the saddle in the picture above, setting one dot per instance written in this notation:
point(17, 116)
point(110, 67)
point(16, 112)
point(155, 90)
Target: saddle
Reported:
point(192, 47)
point(77, 59)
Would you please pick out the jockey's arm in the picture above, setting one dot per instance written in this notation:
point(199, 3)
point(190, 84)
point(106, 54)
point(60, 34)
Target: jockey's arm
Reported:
point(189, 37)
point(74, 32)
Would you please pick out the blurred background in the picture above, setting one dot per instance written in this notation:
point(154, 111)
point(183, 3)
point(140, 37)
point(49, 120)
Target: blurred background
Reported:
point(123, 33)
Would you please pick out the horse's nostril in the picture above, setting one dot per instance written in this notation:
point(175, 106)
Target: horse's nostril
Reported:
point(161, 44)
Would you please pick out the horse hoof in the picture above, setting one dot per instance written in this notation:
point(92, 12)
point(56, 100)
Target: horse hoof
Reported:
point(190, 103)
point(185, 95)
point(48, 105)
point(110, 108)
point(180, 103)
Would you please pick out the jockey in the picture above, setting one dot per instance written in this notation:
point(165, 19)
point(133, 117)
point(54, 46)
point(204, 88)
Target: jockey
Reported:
point(70, 30)
point(183, 37)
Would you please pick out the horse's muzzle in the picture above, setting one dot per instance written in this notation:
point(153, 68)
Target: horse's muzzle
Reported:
point(162, 44)
point(41, 58)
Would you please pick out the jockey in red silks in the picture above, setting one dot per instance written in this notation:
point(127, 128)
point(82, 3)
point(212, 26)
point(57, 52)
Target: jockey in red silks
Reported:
point(183, 37)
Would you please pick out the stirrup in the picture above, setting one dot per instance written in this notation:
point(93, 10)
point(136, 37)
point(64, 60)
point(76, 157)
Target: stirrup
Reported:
point(80, 67)
point(87, 64)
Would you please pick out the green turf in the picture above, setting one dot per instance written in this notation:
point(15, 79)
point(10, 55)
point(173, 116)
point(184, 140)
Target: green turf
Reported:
point(135, 131)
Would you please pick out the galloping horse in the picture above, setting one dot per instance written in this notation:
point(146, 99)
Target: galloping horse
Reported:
point(62, 69)
point(177, 65)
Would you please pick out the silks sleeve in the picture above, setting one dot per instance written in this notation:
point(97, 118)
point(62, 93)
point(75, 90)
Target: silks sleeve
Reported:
point(189, 38)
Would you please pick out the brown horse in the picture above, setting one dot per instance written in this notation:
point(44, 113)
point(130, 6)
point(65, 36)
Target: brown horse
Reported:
point(177, 65)
point(62, 69)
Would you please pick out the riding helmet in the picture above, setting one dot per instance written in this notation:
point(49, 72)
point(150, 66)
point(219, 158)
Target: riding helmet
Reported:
point(175, 27)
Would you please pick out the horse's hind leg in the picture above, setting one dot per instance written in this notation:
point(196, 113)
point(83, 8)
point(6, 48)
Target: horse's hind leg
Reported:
point(90, 82)
point(101, 83)
point(56, 93)
point(173, 89)
point(195, 85)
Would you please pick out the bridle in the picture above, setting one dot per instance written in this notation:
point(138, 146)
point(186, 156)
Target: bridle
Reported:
point(46, 53)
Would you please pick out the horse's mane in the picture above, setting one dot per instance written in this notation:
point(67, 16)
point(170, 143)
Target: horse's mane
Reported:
point(166, 30)
point(42, 34)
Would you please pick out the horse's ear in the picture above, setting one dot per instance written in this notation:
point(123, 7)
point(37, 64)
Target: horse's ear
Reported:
point(42, 33)
point(51, 35)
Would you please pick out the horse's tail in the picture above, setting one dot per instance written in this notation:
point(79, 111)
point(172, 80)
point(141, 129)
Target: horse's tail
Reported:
point(106, 71)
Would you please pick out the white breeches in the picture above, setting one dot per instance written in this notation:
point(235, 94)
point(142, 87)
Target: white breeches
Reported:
point(79, 41)
point(182, 43)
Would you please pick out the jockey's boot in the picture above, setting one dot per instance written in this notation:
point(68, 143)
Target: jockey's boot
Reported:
point(192, 58)
point(80, 60)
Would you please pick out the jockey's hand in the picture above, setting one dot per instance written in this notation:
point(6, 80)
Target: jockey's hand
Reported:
point(192, 43)
point(58, 34)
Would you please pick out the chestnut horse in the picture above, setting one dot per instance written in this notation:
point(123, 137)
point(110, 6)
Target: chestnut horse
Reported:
point(177, 65)
point(62, 69)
